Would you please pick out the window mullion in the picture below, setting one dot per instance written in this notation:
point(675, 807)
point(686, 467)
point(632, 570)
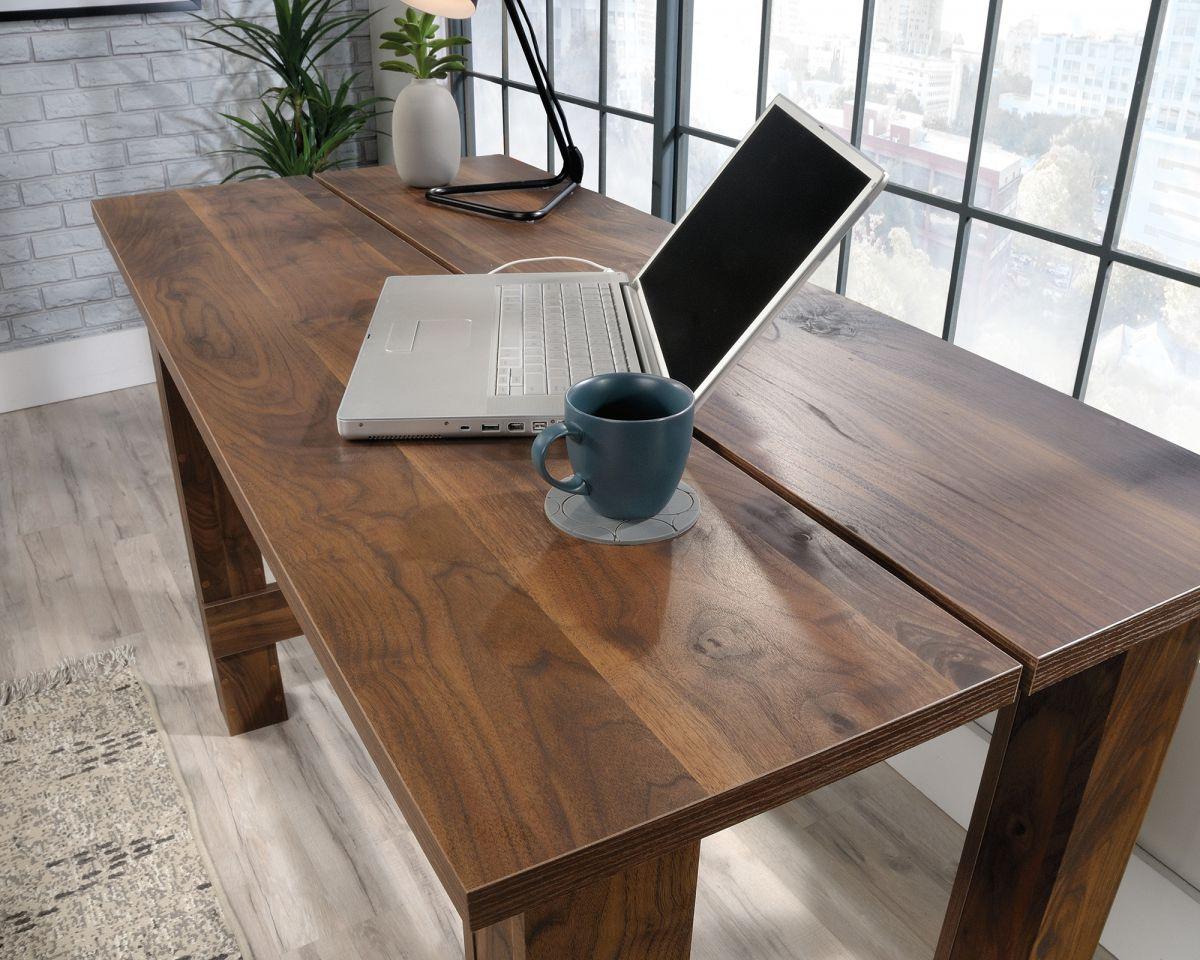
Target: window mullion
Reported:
point(550, 164)
point(464, 92)
point(958, 262)
point(602, 97)
point(764, 55)
point(671, 34)
point(1122, 179)
point(1095, 308)
point(856, 121)
point(1122, 184)
point(504, 111)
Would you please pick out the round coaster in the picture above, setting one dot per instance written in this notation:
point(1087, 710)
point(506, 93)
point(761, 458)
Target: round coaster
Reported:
point(573, 514)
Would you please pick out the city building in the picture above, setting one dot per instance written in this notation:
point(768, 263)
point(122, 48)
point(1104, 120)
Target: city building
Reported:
point(1164, 209)
point(936, 161)
point(909, 26)
point(1016, 49)
point(1164, 212)
point(930, 81)
point(1086, 76)
point(1174, 106)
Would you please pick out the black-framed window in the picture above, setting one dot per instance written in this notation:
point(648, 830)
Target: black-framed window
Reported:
point(601, 57)
point(1044, 202)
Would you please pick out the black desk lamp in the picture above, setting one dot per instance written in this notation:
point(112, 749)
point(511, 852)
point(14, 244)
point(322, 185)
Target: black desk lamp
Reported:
point(571, 174)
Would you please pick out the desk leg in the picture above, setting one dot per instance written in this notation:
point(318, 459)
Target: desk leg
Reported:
point(644, 913)
point(243, 617)
point(1069, 776)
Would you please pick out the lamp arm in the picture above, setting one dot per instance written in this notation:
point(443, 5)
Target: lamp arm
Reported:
point(555, 116)
point(566, 180)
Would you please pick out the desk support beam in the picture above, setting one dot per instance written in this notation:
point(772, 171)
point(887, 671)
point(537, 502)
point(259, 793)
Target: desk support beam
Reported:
point(1069, 776)
point(242, 617)
point(644, 913)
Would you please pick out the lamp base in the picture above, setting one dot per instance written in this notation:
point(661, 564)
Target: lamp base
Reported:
point(568, 179)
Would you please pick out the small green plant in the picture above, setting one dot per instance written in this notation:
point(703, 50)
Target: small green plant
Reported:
point(283, 148)
point(303, 121)
point(415, 39)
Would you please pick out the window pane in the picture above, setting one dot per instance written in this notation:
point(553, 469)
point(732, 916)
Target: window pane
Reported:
point(1146, 368)
point(631, 32)
point(923, 77)
point(704, 159)
point(900, 259)
point(814, 57)
point(577, 48)
point(1162, 216)
point(518, 68)
point(1059, 100)
point(629, 150)
point(1025, 303)
point(489, 118)
point(485, 48)
point(527, 128)
point(585, 130)
point(724, 71)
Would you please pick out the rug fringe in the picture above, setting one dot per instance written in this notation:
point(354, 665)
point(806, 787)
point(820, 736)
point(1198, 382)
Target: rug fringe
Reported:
point(69, 671)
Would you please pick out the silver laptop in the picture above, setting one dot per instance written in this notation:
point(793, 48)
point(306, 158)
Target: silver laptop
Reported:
point(492, 355)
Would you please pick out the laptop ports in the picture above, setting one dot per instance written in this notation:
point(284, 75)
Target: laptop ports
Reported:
point(539, 426)
point(515, 427)
point(488, 427)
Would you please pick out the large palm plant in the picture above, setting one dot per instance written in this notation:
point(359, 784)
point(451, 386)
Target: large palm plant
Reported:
point(303, 121)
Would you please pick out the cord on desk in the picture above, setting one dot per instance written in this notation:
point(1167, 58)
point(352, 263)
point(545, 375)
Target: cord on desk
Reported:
point(590, 263)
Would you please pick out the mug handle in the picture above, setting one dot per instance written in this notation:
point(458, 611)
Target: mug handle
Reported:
point(541, 445)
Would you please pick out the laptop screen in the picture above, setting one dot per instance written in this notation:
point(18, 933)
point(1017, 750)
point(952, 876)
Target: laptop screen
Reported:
point(775, 200)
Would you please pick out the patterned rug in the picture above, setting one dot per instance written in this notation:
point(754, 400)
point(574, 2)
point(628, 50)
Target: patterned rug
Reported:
point(98, 852)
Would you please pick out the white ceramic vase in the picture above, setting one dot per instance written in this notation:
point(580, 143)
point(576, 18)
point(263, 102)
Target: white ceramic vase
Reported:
point(426, 138)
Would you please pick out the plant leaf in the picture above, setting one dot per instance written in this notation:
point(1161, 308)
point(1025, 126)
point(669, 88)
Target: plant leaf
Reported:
point(400, 66)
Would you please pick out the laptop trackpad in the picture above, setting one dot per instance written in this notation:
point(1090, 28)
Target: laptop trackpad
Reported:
point(429, 336)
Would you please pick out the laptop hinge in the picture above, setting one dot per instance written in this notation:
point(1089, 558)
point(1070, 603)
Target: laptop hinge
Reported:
point(637, 326)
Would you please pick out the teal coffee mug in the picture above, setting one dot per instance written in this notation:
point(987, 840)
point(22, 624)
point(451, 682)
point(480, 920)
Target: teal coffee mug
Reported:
point(628, 438)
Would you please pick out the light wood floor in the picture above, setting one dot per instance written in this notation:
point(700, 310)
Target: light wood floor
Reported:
point(314, 856)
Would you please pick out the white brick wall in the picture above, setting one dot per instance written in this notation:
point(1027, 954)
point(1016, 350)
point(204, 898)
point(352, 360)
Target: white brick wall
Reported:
point(96, 106)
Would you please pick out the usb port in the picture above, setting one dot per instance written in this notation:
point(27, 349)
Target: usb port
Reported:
point(516, 427)
point(539, 426)
point(490, 426)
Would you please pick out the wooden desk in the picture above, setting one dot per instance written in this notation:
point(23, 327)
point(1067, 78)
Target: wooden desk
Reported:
point(560, 723)
point(1070, 539)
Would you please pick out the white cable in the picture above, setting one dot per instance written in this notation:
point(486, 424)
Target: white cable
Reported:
point(590, 263)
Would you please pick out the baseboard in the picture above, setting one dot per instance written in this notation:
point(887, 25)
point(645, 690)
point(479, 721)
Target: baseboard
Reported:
point(66, 369)
point(1156, 915)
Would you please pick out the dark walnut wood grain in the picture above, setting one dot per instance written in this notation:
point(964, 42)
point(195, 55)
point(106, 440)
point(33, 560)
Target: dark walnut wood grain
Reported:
point(548, 713)
point(248, 622)
point(1059, 532)
point(1070, 772)
point(227, 567)
point(586, 225)
point(1062, 534)
point(644, 913)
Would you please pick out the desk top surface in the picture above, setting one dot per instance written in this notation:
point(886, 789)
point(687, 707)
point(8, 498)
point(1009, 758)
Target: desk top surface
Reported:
point(546, 712)
point(1059, 532)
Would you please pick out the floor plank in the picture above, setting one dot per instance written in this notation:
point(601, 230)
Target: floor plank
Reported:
point(316, 860)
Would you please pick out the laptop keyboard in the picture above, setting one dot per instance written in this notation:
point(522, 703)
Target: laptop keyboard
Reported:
point(555, 334)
